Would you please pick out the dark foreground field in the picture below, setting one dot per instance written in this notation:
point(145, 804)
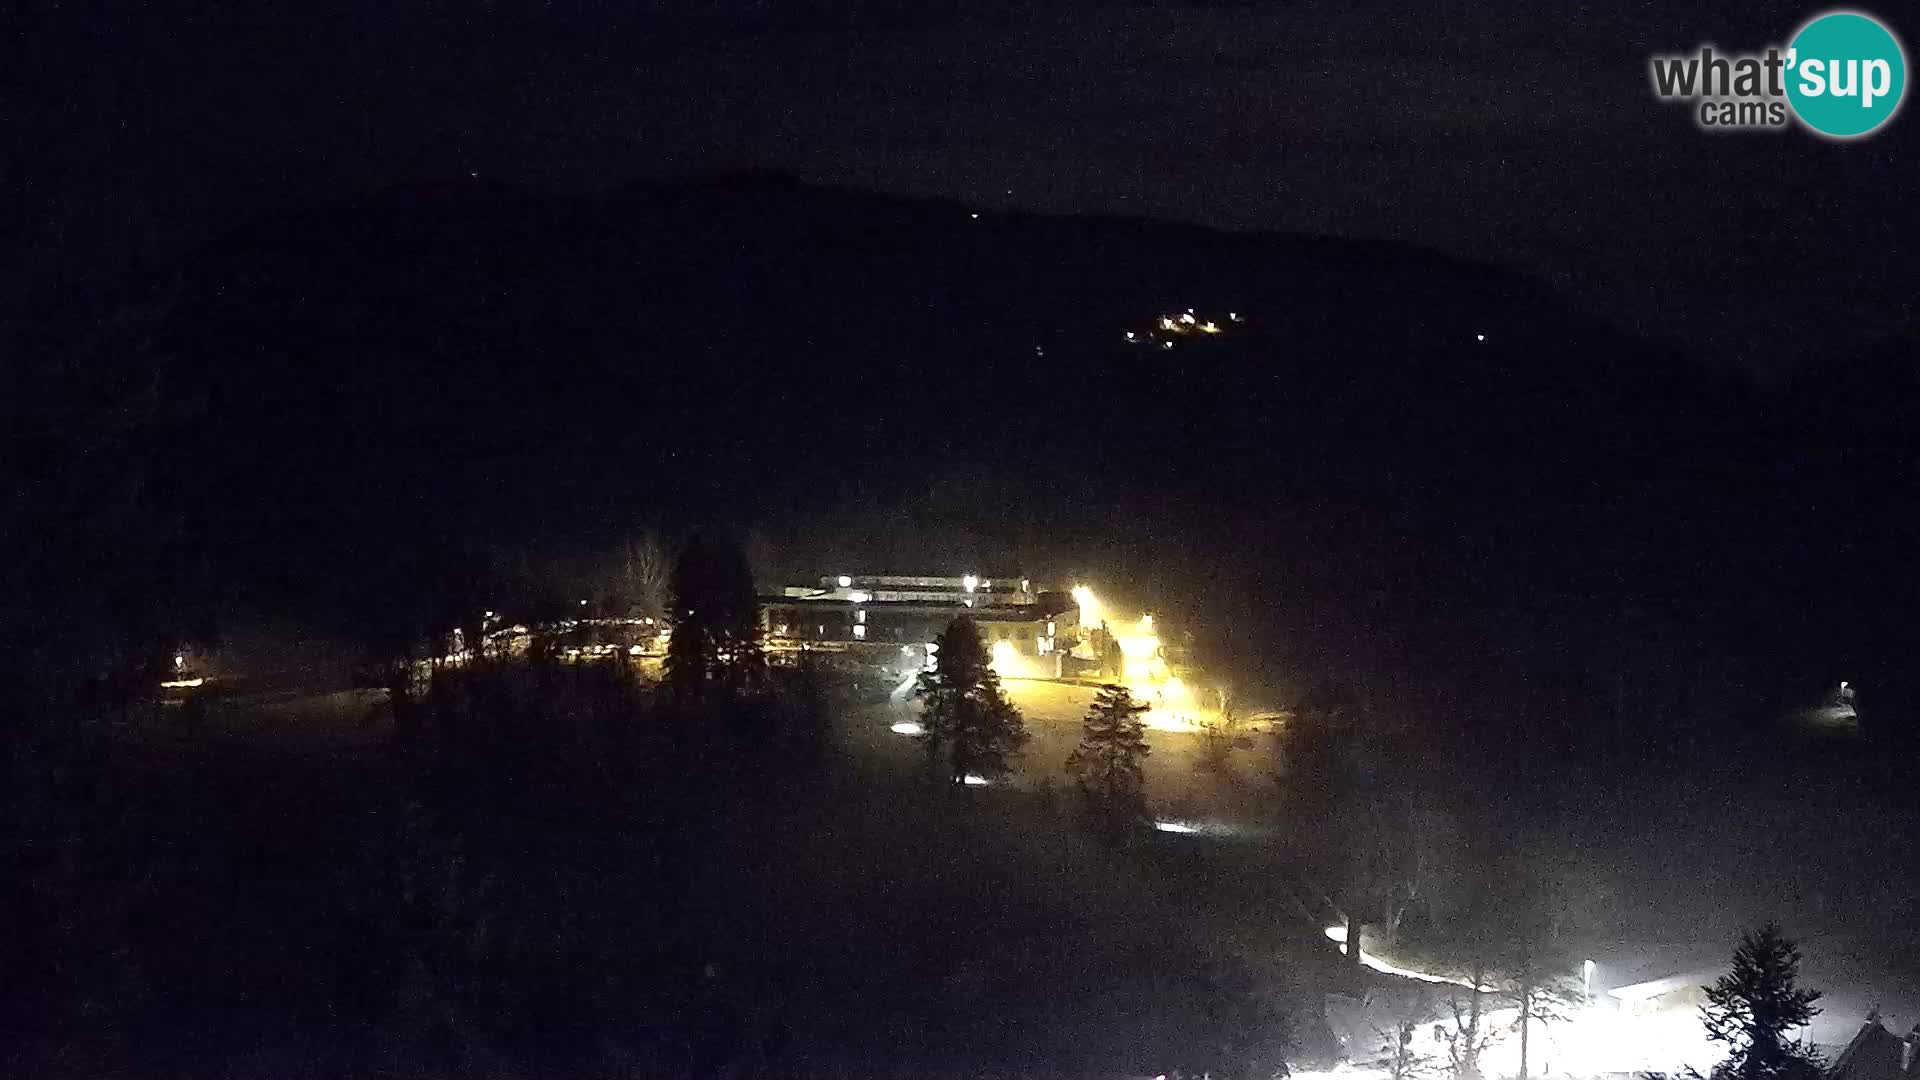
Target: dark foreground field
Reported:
point(555, 878)
point(280, 889)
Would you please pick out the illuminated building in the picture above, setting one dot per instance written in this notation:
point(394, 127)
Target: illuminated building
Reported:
point(880, 610)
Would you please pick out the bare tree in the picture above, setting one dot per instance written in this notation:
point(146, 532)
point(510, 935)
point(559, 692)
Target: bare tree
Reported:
point(1366, 829)
point(1470, 1031)
point(1219, 731)
point(1404, 1055)
point(646, 573)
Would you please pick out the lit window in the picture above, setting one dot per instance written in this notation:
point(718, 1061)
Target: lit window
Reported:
point(860, 631)
point(859, 616)
point(845, 581)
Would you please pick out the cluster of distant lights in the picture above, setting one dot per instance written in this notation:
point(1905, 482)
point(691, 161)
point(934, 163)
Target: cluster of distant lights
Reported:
point(1168, 329)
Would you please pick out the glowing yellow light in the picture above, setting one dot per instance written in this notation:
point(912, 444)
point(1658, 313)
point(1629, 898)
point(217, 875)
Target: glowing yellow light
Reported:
point(1089, 606)
point(1006, 661)
point(181, 684)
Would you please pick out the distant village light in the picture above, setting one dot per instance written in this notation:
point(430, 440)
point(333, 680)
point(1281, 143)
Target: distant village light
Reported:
point(845, 581)
point(969, 582)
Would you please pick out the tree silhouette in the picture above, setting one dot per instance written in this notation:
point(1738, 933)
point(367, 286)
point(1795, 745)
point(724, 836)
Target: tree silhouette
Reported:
point(716, 643)
point(1106, 766)
point(645, 575)
point(1754, 1009)
point(967, 716)
point(1363, 821)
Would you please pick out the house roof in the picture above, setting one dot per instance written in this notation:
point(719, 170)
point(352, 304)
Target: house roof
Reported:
point(1874, 1054)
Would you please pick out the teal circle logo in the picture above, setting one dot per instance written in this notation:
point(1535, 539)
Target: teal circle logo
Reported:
point(1846, 74)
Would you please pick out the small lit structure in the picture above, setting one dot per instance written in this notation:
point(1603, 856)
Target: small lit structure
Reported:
point(1167, 328)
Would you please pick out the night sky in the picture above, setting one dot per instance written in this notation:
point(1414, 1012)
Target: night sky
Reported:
point(1520, 134)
